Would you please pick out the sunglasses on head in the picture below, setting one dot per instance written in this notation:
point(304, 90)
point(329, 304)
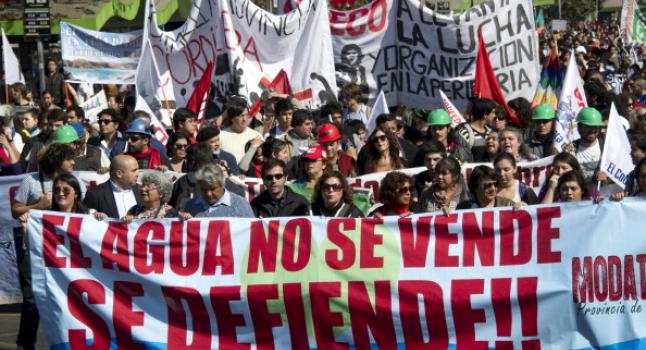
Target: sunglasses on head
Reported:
point(332, 187)
point(274, 177)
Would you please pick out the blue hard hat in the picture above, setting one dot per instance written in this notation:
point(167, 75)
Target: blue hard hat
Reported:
point(80, 130)
point(139, 126)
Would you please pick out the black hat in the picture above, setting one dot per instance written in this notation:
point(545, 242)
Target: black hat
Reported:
point(207, 134)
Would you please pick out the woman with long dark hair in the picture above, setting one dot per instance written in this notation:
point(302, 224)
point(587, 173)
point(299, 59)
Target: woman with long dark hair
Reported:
point(572, 187)
point(508, 186)
point(483, 186)
point(382, 153)
point(562, 163)
point(447, 190)
point(67, 195)
point(333, 197)
point(176, 150)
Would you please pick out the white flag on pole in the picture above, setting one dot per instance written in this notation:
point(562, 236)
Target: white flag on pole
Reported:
point(380, 107)
point(160, 133)
point(12, 73)
point(456, 117)
point(615, 159)
point(572, 100)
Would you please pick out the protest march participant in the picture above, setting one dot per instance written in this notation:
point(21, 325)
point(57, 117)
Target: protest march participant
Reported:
point(185, 120)
point(214, 199)
point(329, 138)
point(278, 200)
point(395, 195)
point(639, 187)
point(54, 82)
point(211, 136)
point(588, 148)
point(499, 121)
point(75, 114)
point(121, 192)
point(572, 187)
point(392, 123)
point(29, 120)
point(278, 149)
point(483, 186)
point(29, 155)
point(508, 186)
point(523, 110)
point(48, 101)
point(88, 157)
point(381, 153)
point(139, 146)
point(299, 138)
point(9, 153)
point(251, 163)
point(511, 141)
point(67, 196)
point(156, 189)
point(439, 129)
point(176, 148)
point(237, 132)
point(562, 163)
point(492, 146)
point(312, 164)
point(333, 197)
point(474, 133)
point(110, 140)
point(154, 143)
point(283, 111)
point(353, 109)
point(448, 188)
point(541, 140)
point(430, 154)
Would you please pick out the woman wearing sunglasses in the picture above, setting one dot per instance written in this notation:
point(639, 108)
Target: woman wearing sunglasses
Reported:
point(382, 153)
point(67, 195)
point(448, 189)
point(176, 150)
point(395, 193)
point(333, 197)
point(483, 186)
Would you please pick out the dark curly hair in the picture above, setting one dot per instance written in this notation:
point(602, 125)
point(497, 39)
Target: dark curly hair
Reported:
point(372, 154)
point(73, 182)
point(577, 177)
point(318, 195)
point(170, 146)
point(388, 189)
point(479, 174)
point(52, 156)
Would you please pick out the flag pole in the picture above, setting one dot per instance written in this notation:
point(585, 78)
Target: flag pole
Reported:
point(161, 83)
point(6, 92)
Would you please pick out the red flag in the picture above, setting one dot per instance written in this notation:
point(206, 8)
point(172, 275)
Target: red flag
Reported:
point(280, 84)
point(486, 83)
point(200, 96)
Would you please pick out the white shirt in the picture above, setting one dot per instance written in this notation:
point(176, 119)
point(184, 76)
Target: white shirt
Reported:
point(234, 142)
point(589, 158)
point(125, 199)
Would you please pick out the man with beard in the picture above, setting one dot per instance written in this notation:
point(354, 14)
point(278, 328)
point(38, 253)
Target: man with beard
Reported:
point(139, 145)
point(278, 200)
point(588, 148)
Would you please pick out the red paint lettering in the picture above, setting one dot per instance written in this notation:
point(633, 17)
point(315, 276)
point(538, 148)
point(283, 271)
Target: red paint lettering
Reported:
point(144, 247)
point(508, 236)
point(177, 334)
point(443, 239)
point(263, 247)
point(546, 233)
point(218, 236)
point(78, 338)
point(184, 254)
point(226, 319)
point(124, 317)
point(304, 229)
point(344, 257)
point(364, 317)
point(369, 240)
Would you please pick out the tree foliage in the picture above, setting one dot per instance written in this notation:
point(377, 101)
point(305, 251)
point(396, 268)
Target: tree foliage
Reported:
point(578, 10)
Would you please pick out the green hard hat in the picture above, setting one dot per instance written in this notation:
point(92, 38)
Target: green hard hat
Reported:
point(543, 112)
point(590, 116)
point(65, 134)
point(439, 117)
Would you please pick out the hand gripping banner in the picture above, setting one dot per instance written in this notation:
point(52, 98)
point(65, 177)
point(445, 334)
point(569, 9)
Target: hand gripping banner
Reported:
point(568, 276)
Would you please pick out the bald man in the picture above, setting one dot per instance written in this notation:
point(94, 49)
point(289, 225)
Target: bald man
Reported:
point(116, 196)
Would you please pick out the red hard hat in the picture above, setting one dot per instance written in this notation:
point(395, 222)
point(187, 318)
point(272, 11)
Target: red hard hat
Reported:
point(328, 133)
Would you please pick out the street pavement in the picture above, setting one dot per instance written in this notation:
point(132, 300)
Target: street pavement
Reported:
point(9, 323)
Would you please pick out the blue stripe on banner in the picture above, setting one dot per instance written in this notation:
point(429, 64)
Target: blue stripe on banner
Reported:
point(634, 344)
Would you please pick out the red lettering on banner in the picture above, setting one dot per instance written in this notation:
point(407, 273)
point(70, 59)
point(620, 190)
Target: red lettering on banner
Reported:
point(177, 335)
point(501, 303)
point(414, 245)
point(432, 298)
point(73, 232)
point(477, 239)
point(528, 302)
point(344, 257)
point(324, 319)
point(100, 331)
point(464, 316)
point(184, 254)
point(263, 320)
point(369, 240)
point(615, 282)
point(263, 247)
point(218, 236)
point(509, 233)
point(250, 47)
point(251, 189)
point(364, 317)
point(546, 233)
point(582, 290)
point(377, 10)
point(641, 259)
point(143, 248)
point(630, 288)
point(117, 233)
point(304, 228)
point(51, 241)
point(295, 310)
point(227, 321)
point(600, 278)
point(354, 15)
point(124, 316)
point(443, 239)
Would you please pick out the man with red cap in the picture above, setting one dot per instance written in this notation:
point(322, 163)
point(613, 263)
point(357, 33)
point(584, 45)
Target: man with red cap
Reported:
point(329, 138)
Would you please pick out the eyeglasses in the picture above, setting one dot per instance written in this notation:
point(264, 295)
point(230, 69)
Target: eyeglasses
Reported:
point(404, 190)
point(148, 186)
point(274, 177)
point(66, 191)
point(180, 146)
point(134, 138)
point(380, 138)
point(331, 187)
point(500, 119)
point(488, 185)
point(105, 121)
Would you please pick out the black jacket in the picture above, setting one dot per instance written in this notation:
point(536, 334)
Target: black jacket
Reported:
point(292, 204)
point(90, 161)
point(343, 210)
point(101, 199)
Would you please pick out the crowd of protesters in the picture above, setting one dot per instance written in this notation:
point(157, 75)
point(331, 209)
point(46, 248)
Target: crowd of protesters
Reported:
point(305, 157)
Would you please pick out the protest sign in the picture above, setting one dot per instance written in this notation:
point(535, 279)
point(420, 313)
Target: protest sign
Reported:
point(552, 277)
point(100, 57)
point(94, 105)
point(411, 52)
point(633, 21)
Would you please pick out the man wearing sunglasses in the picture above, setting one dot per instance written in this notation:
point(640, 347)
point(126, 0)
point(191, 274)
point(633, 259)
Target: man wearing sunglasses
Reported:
point(277, 200)
point(139, 146)
point(110, 140)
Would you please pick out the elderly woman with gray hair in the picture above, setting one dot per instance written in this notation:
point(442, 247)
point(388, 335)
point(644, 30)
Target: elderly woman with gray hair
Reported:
point(215, 200)
point(156, 189)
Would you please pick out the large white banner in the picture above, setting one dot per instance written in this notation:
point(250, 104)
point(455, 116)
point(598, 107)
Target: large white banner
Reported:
point(411, 52)
point(568, 276)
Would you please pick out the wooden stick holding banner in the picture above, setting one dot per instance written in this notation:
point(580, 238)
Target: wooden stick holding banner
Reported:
point(161, 83)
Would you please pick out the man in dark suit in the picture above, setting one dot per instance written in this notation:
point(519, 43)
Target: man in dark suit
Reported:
point(116, 196)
